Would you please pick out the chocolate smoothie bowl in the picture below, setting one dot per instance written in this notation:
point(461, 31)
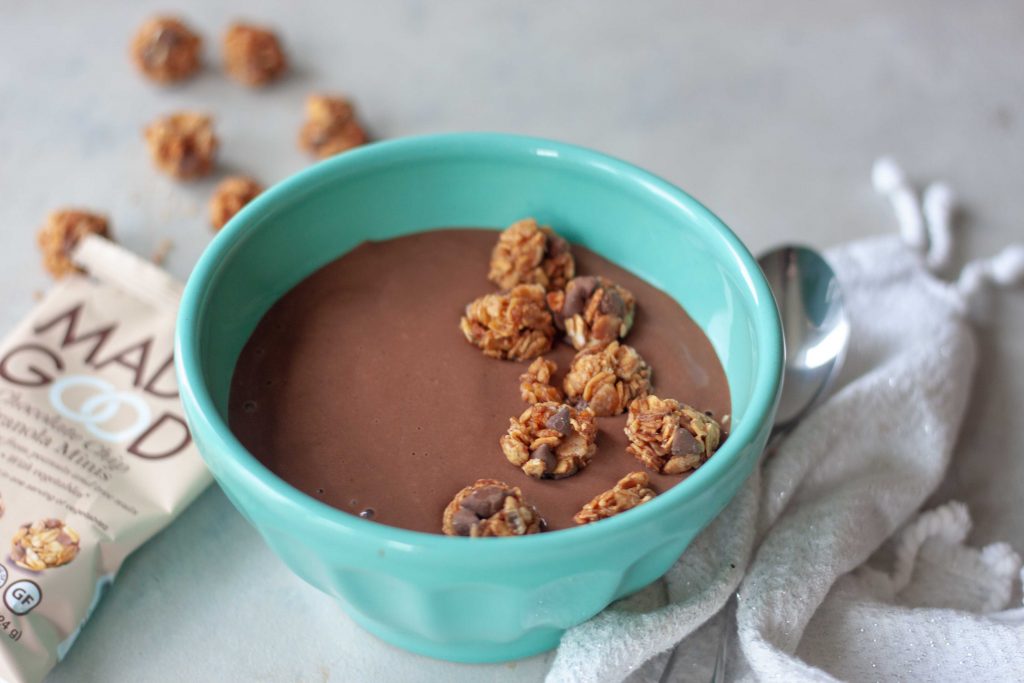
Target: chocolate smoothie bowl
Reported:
point(380, 383)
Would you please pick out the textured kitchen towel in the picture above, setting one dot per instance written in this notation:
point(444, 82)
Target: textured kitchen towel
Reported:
point(836, 574)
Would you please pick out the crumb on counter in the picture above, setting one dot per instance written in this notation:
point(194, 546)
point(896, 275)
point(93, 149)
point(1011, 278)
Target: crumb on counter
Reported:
point(183, 144)
point(331, 126)
point(253, 54)
point(61, 232)
point(230, 196)
point(166, 50)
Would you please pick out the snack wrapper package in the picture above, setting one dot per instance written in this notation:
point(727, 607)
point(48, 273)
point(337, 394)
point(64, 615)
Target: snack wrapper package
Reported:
point(95, 457)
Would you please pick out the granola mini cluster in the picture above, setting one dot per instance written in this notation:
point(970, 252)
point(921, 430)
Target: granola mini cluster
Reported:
point(668, 436)
point(550, 440)
point(530, 254)
point(593, 311)
point(253, 54)
point(45, 544)
point(630, 491)
point(166, 50)
point(535, 384)
point(490, 508)
point(514, 325)
point(230, 196)
point(331, 126)
point(60, 234)
point(183, 144)
point(607, 379)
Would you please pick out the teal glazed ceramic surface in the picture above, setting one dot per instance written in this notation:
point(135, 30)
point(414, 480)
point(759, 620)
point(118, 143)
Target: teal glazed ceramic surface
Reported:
point(476, 600)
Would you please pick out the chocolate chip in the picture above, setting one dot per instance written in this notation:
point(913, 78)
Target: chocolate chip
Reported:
point(557, 245)
point(485, 501)
point(546, 456)
point(612, 304)
point(684, 443)
point(463, 521)
point(580, 403)
point(577, 293)
point(560, 422)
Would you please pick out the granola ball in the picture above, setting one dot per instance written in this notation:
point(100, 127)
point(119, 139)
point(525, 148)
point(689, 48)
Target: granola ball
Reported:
point(62, 231)
point(230, 196)
point(515, 325)
point(630, 491)
point(253, 54)
point(530, 254)
point(183, 144)
point(550, 440)
point(535, 384)
point(45, 544)
point(166, 50)
point(490, 508)
point(670, 437)
point(331, 127)
point(593, 311)
point(606, 379)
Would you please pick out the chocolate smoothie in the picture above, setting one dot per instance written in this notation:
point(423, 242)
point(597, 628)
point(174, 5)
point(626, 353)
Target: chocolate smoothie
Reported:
point(358, 388)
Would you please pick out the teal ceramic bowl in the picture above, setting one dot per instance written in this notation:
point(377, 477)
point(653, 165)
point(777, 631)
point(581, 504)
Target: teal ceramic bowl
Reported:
point(462, 599)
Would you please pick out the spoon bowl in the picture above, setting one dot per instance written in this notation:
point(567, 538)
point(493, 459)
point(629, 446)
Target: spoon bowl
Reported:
point(815, 327)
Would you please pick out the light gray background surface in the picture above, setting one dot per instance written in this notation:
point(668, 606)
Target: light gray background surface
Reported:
point(770, 113)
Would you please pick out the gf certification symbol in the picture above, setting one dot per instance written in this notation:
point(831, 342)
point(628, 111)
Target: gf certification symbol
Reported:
point(22, 596)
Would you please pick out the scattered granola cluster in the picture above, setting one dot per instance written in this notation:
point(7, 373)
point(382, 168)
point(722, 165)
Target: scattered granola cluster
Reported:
point(44, 544)
point(230, 196)
point(530, 254)
point(593, 311)
point(490, 508)
point(183, 144)
point(515, 325)
point(535, 385)
point(60, 234)
point(166, 50)
point(253, 55)
point(331, 126)
point(670, 437)
point(606, 379)
point(555, 437)
point(630, 491)
point(550, 440)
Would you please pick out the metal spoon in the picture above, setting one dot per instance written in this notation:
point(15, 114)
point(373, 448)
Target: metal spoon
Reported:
point(817, 333)
point(814, 325)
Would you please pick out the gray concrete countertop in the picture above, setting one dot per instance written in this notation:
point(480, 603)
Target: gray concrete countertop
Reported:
point(769, 113)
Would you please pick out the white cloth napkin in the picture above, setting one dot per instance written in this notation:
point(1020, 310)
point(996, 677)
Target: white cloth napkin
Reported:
point(838, 575)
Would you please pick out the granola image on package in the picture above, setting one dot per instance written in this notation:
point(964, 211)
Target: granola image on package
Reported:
point(44, 544)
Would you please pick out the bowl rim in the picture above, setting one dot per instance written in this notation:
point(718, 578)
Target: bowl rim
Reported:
point(305, 511)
